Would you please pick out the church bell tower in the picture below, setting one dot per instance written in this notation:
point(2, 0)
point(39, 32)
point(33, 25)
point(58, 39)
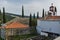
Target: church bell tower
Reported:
point(52, 10)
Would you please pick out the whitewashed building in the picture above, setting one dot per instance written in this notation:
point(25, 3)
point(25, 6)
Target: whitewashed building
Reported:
point(48, 26)
point(50, 23)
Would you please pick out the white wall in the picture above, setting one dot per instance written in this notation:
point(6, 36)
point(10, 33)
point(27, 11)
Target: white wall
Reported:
point(48, 25)
point(3, 33)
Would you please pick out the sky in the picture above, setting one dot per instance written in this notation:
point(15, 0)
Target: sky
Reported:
point(30, 6)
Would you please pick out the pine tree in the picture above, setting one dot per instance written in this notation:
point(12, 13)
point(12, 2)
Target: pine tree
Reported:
point(43, 13)
point(22, 11)
point(4, 20)
point(37, 14)
point(30, 19)
point(34, 16)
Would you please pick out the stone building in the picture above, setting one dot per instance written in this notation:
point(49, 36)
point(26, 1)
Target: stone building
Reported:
point(13, 28)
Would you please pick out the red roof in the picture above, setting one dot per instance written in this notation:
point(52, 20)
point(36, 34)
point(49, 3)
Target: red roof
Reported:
point(53, 17)
point(16, 25)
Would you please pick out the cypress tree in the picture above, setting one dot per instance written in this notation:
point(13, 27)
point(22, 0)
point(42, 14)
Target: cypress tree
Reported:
point(34, 21)
point(0, 11)
point(22, 11)
point(30, 19)
point(55, 9)
point(43, 13)
point(37, 14)
point(34, 16)
point(4, 20)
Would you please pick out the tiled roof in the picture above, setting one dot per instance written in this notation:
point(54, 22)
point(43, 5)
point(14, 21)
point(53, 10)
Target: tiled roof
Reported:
point(16, 25)
point(53, 17)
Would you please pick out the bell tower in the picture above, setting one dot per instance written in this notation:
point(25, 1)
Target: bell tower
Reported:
point(52, 10)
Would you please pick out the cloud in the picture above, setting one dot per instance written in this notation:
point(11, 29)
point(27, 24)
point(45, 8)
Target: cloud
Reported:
point(9, 7)
point(34, 7)
point(30, 6)
point(3, 3)
point(38, 5)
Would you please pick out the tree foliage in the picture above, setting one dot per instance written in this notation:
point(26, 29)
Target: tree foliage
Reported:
point(33, 24)
point(34, 15)
point(37, 14)
point(22, 11)
point(30, 19)
point(0, 11)
point(4, 20)
point(43, 13)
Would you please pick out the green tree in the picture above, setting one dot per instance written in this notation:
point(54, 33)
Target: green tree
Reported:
point(30, 19)
point(34, 16)
point(33, 24)
point(43, 13)
point(34, 21)
point(4, 20)
point(37, 14)
point(0, 11)
point(22, 11)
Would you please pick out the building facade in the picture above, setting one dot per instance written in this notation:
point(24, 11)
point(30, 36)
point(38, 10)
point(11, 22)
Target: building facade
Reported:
point(13, 29)
point(50, 24)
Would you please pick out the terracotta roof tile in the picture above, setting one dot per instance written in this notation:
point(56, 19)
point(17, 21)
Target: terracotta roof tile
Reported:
point(16, 25)
point(53, 17)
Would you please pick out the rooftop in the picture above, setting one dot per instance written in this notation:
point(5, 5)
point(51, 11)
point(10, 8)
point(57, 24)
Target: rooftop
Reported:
point(53, 17)
point(16, 25)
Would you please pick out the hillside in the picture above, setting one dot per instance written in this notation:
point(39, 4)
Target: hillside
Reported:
point(8, 18)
